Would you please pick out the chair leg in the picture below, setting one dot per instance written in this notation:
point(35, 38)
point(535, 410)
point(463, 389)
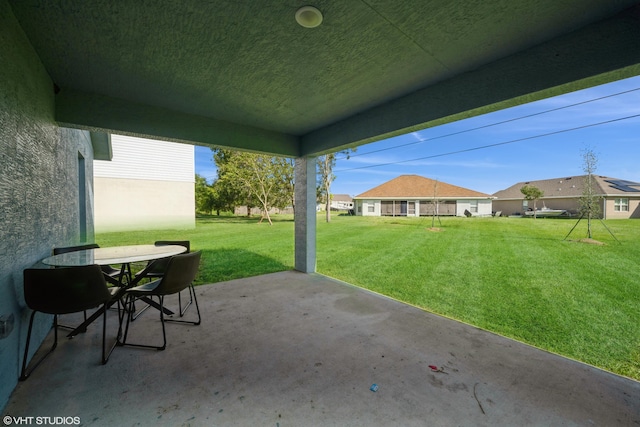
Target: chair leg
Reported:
point(162, 320)
point(126, 310)
point(105, 354)
point(182, 311)
point(131, 301)
point(137, 313)
point(72, 328)
point(192, 294)
point(24, 374)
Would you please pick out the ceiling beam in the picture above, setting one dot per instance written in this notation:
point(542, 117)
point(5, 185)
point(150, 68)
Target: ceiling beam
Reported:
point(599, 53)
point(101, 143)
point(81, 110)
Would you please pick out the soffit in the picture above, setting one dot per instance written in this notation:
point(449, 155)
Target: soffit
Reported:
point(246, 67)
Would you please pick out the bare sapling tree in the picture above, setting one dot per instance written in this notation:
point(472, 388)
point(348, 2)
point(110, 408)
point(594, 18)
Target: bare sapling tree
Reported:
point(325, 165)
point(589, 201)
point(434, 201)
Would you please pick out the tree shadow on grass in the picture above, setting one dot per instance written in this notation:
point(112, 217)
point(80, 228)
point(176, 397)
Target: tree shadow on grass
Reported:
point(228, 219)
point(219, 265)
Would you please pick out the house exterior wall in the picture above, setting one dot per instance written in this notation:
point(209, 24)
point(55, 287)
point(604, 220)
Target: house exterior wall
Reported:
point(368, 207)
point(508, 207)
point(514, 207)
point(423, 207)
point(483, 207)
point(147, 185)
point(145, 204)
point(571, 204)
point(39, 187)
point(633, 212)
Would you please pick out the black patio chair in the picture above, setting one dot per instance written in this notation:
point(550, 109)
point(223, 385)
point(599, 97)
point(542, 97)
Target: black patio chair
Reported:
point(65, 290)
point(111, 272)
point(156, 268)
point(179, 275)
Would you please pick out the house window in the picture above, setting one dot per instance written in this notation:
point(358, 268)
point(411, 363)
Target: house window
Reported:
point(621, 205)
point(371, 208)
point(473, 206)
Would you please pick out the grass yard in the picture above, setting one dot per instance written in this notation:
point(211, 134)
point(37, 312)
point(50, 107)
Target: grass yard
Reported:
point(513, 276)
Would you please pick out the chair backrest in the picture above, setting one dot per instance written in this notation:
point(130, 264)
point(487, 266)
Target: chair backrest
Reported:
point(160, 265)
point(65, 290)
point(181, 271)
point(68, 249)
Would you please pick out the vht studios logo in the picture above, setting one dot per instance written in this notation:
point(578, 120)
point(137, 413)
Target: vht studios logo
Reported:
point(41, 421)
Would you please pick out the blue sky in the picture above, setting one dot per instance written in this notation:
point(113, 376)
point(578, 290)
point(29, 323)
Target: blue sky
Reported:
point(541, 146)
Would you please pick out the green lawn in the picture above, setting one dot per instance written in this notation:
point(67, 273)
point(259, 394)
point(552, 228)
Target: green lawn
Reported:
point(517, 277)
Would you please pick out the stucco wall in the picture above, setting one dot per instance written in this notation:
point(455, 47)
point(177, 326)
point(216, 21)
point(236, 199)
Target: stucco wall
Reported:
point(38, 185)
point(633, 212)
point(138, 204)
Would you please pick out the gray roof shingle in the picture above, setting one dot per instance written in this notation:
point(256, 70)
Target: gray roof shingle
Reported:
point(573, 186)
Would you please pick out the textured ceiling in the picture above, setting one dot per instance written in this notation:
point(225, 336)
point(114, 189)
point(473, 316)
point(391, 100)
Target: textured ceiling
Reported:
point(243, 73)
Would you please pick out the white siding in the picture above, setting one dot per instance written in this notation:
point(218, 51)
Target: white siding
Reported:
point(371, 204)
point(149, 184)
point(138, 158)
point(484, 207)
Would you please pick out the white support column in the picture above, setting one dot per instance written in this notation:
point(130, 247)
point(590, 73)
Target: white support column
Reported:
point(305, 214)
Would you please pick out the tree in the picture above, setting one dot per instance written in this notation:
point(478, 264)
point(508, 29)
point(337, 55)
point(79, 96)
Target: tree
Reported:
point(326, 177)
point(589, 201)
point(223, 198)
point(286, 195)
point(229, 192)
point(531, 192)
point(256, 179)
point(434, 202)
point(204, 195)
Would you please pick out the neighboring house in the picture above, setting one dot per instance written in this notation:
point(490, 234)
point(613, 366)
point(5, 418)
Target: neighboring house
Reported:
point(148, 184)
point(413, 195)
point(620, 198)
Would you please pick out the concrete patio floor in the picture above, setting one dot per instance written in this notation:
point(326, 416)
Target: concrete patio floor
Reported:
point(290, 349)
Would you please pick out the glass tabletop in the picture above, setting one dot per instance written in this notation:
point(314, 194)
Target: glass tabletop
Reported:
point(114, 255)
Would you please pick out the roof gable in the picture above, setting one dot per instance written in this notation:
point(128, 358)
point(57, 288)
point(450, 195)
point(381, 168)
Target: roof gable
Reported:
point(415, 186)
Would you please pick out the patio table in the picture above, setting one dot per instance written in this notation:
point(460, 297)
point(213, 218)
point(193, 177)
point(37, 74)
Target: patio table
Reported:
point(124, 255)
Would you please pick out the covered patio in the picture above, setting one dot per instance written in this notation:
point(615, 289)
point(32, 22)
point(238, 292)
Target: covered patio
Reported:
point(291, 348)
point(294, 349)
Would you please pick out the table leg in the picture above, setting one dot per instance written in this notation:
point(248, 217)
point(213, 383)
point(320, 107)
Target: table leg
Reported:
point(83, 326)
point(149, 301)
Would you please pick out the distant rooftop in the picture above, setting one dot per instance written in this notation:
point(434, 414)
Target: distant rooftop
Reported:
point(415, 186)
point(341, 198)
point(573, 186)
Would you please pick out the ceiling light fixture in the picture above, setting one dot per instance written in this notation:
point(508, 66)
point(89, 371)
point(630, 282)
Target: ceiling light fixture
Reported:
point(309, 17)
